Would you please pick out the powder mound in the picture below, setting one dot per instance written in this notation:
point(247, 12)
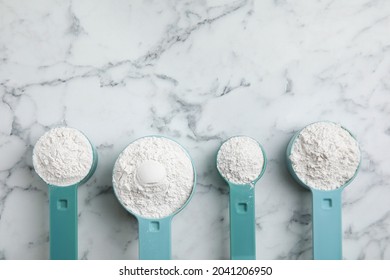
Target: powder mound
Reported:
point(63, 156)
point(159, 199)
point(240, 160)
point(325, 156)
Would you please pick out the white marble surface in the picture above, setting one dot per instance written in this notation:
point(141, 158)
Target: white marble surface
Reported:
point(199, 72)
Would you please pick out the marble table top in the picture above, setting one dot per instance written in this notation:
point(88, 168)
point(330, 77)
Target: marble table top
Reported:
point(198, 72)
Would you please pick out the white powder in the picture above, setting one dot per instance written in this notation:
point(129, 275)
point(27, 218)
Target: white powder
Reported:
point(153, 177)
point(325, 156)
point(63, 156)
point(240, 160)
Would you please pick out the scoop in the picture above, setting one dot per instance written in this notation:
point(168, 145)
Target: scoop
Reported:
point(242, 212)
point(63, 215)
point(326, 218)
point(154, 233)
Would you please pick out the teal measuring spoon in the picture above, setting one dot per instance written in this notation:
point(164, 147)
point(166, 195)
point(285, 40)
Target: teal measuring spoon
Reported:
point(326, 217)
point(155, 233)
point(63, 218)
point(242, 214)
point(63, 227)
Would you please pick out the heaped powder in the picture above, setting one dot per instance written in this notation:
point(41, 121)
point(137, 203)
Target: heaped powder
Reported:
point(240, 160)
point(325, 156)
point(153, 177)
point(63, 156)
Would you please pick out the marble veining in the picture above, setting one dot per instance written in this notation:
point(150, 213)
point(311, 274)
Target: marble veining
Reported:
point(199, 72)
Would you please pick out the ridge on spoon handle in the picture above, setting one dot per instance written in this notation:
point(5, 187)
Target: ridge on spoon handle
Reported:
point(242, 222)
point(63, 222)
point(327, 231)
point(154, 238)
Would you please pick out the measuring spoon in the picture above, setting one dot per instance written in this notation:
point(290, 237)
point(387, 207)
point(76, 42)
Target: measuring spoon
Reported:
point(63, 211)
point(242, 210)
point(154, 233)
point(326, 218)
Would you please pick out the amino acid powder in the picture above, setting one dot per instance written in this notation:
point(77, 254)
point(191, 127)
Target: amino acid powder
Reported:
point(240, 160)
point(153, 177)
point(325, 156)
point(63, 156)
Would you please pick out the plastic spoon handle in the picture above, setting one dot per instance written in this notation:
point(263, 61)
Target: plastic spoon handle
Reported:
point(242, 222)
point(63, 222)
point(327, 225)
point(154, 239)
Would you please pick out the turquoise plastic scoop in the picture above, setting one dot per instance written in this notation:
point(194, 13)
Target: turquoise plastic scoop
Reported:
point(155, 233)
point(242, 216)
point(63, 217)
point(326, 218)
